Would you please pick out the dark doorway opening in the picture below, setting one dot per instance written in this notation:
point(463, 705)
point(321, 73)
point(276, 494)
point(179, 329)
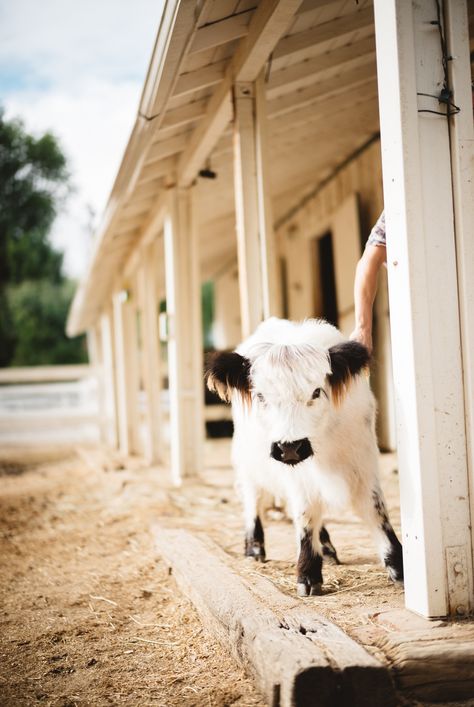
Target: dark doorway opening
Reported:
point(327, 279)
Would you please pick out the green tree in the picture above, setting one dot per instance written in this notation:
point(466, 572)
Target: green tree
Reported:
point(39, 310)
point(33, 183)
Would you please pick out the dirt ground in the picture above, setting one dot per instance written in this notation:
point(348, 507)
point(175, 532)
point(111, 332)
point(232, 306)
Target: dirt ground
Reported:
point(90, 615)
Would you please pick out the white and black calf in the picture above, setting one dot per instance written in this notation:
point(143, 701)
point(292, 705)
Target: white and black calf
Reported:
point(304, 420)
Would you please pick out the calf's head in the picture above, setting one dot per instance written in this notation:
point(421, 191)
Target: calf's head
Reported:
point(292, 389)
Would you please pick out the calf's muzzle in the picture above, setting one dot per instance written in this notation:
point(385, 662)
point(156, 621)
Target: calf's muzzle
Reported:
point(291, 452)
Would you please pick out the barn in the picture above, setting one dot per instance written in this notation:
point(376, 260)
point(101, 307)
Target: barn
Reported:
point(269, 136)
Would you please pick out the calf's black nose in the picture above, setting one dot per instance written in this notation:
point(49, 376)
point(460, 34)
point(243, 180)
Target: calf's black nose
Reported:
point(291, 452)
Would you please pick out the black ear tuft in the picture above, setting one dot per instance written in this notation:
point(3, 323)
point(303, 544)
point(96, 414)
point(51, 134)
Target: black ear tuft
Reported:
point(227, 371)
point(347, 360)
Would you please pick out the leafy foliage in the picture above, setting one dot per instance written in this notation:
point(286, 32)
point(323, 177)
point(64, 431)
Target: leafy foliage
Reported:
point(33, 292)
point(38, 313)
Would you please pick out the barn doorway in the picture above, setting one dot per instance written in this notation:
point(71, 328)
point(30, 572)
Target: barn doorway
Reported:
point(325, 290)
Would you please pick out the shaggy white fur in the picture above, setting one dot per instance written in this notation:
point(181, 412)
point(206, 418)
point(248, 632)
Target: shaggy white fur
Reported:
point(290, 397)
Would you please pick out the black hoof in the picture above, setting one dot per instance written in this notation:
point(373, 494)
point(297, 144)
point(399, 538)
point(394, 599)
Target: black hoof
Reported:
point(304, 588)
point(394, 561)
point(255, 551)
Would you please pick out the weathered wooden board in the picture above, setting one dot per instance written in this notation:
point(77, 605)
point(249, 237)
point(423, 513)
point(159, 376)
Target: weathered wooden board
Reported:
point(297, 658)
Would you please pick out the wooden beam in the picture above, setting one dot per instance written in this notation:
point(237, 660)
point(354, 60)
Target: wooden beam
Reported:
point(293, 653)
point(185, 351)
point(426, 341)
point(269, 22)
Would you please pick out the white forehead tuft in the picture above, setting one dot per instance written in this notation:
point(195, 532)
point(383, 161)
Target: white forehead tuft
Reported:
point(288, 371)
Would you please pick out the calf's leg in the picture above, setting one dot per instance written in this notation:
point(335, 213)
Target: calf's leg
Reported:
point(308, 525)
point(254, 535)
point(310, 563)
point(328, 549)
point(371, 508)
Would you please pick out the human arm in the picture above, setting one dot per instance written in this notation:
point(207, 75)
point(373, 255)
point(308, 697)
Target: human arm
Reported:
point(365, 288)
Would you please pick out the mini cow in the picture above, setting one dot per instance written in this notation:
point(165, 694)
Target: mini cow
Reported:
point(304, 419)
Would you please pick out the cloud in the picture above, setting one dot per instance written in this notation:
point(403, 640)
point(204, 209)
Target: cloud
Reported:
point(77, 69)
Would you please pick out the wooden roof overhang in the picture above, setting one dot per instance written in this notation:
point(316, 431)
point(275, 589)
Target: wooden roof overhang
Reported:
point(321, 89)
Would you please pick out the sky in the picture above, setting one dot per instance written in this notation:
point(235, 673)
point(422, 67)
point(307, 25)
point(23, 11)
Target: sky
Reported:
point(77, 69)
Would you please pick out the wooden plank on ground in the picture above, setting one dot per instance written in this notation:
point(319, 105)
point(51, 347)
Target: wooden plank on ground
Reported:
point(297, 657)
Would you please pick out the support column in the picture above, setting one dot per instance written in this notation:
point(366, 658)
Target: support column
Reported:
point(96, 359)
point(126, 357)
point(462, 155)
point(185, 348)
point(258, 281)
point(108, 373)
point(421, 259)
point(152, 373)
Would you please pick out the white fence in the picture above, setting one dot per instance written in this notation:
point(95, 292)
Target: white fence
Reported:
point(49, 405)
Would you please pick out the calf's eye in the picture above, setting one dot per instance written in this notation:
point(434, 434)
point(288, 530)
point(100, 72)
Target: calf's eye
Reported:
point(260, 397)
point(316, 393)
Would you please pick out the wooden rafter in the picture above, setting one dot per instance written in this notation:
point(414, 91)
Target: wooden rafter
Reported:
point(268, 24)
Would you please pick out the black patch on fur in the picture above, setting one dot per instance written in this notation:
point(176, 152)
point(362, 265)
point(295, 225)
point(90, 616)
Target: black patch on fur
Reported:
point(329, 551)
point(310, 563)
point(255, 541)
point(291, 452)
point(393, 559)
point(230, 369)
point(347, 360)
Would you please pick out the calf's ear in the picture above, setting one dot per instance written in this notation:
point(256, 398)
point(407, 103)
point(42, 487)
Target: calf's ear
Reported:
point(347, 361)
point(228, 371)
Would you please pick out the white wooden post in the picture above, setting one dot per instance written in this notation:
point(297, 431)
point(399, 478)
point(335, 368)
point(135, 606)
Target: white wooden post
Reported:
point(126, 365)
point(108, 373)
point(185, 348)
point(151, 361)
point(462, 155)
point(94, 349)
point(346, 247)
point(424, 310)
point(259, 297)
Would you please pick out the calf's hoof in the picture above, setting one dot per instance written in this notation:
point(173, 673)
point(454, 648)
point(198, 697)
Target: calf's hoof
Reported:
point(396, 574)
point(306, 589)
point(255, 551)
point(394, 563)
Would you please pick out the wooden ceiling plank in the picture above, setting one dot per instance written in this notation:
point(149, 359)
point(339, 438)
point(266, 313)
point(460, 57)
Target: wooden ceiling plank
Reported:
point(340, 59)
point(325, 105)
point(161, 150)
point(340, 26)
point(320, 91)
point(162, 168)
point(183, 116)
point(221, 32)
point(200, 78)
